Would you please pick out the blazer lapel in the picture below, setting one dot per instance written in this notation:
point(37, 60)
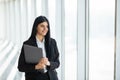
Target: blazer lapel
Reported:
point(47, 51)
point(33, 42)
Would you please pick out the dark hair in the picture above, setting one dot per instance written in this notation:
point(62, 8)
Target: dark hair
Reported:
point(37, 21)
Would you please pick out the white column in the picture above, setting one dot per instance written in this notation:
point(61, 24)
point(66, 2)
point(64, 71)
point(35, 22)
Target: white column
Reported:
point(87, 40)
point(82, 40)
point(117, 65)
point(60, 35)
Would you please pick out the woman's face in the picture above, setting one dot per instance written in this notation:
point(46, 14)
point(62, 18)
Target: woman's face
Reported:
point(42, 28)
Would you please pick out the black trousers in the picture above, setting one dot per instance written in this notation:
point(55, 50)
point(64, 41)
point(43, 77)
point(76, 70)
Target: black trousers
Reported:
point(43, 76)
point(38, 76)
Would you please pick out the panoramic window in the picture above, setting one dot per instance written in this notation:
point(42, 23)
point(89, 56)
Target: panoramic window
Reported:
point(101, 43)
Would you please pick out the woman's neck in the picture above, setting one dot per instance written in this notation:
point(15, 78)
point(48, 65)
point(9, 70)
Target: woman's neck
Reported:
point(40, 37)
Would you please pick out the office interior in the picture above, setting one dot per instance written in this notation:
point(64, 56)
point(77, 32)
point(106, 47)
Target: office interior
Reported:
point(87, 34)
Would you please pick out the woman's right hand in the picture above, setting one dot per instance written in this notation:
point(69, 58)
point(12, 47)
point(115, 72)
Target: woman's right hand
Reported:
point(41, 64)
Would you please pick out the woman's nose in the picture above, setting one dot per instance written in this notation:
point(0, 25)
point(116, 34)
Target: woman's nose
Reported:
point(45, 28)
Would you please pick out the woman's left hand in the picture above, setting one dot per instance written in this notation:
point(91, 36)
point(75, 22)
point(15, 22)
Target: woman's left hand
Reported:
point(46, 61)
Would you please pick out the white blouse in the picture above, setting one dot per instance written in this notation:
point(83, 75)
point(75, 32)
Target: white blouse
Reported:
point(42, 45)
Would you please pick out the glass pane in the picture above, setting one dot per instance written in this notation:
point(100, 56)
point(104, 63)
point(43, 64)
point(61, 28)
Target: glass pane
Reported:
point(70, 40)
point(101, 43)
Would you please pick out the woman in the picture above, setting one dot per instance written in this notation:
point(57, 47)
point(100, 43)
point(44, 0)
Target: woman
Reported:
point(40, 37)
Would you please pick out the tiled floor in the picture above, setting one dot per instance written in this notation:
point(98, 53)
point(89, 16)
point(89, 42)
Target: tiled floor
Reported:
point(8, 61)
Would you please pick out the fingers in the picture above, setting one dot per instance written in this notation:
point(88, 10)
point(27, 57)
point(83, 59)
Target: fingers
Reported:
point(43, 61)
point(47, 62)
point(40, 66)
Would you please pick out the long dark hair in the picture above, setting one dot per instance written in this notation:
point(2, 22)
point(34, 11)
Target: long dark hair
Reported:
point(37, 21)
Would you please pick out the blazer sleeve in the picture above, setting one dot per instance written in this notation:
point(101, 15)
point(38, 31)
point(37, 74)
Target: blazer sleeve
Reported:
point(55, 63)
point(23, 66)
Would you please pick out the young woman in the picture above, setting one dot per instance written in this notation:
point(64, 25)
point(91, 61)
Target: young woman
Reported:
point(40, 37)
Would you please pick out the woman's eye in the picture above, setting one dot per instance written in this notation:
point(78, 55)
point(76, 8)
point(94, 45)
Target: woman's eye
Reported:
point(42, 25)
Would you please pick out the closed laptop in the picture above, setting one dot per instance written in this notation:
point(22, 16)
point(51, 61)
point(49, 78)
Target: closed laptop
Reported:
point(32, 54)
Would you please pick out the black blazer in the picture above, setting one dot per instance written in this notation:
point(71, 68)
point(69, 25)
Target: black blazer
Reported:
point(29, 69)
